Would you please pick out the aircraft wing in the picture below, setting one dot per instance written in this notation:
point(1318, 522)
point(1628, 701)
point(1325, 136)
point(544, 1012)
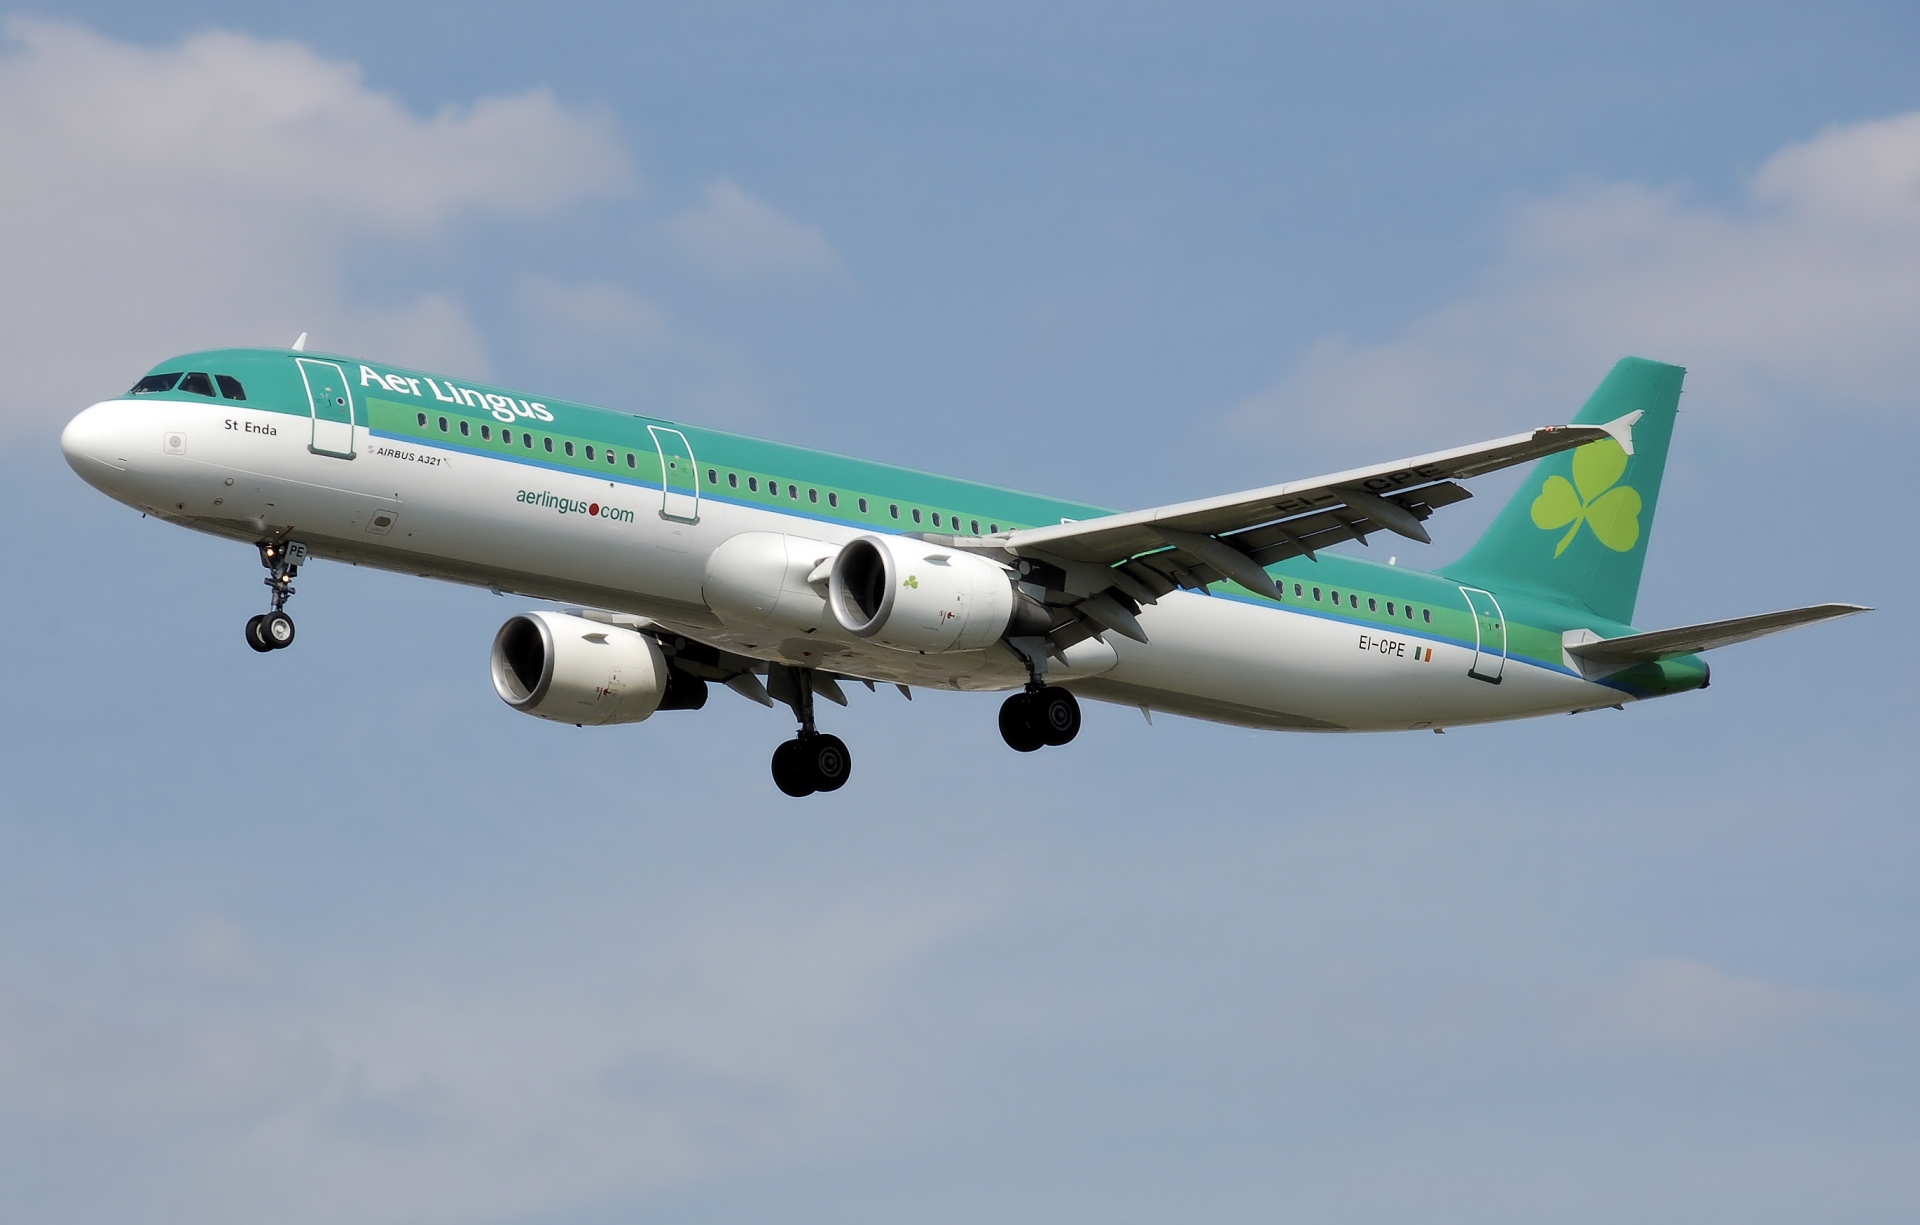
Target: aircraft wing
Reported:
point(1102, 570)
point(1182, 545)
point(1691, 639)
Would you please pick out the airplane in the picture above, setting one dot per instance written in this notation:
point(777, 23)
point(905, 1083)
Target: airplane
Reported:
point(697, 558)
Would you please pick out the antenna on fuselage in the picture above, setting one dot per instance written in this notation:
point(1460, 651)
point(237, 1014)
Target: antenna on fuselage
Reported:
point(300, 345)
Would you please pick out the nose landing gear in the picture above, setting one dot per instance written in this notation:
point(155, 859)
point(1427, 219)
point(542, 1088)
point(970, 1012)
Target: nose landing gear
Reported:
point(810, 761)
point(270, 631)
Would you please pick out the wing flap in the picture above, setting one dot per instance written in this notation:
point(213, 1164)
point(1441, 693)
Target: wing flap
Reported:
point(1692, 639)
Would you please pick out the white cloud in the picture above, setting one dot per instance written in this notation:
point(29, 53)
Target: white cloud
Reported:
point(593, 315)
point(697, 1039)
point(1808, 288)
point(155, 199)
point(735, 235)
point(1685, 1006)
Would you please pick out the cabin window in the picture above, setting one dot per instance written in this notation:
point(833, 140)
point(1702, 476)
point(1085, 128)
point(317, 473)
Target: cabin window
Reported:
point(1316, 595)
point(1335, 595)
point(1373, 605)
point(155, 382)
point(197, 383)
point(568, 445)
point(466, 429)
point(526, 440)
point(974, 526)
point(1389, 608)
point(916, 514)
point(589, 450)
point(793, 491)
point(486, 433)
point(423, 419)
point(993, 529)
point(733, 480)
point(230, 387)
point(1353, 601)
point(833, 499)
point(936, 518)
point(611, 460)
point(1296, 589)
point(893, 510)
point(629, 459)
point(713, 477)
point(547, 441)
point(813, 495)
point(1409, 608)
point(1426, 614)
point(443, 425)
point(863, 506)
point(753, 484)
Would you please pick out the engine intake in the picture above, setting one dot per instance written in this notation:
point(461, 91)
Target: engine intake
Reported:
point(571, 670)
point(907, 594)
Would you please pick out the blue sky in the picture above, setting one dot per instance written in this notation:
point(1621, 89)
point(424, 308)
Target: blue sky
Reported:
point(333, 934)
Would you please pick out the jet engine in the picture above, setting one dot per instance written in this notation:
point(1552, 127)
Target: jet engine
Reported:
point(913, 596)
point(571, 670)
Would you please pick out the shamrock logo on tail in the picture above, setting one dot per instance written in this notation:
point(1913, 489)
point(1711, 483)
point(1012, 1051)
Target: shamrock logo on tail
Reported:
point(1612, 513)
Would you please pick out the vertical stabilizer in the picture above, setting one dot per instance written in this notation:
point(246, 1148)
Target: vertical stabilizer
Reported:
point(1577, 530)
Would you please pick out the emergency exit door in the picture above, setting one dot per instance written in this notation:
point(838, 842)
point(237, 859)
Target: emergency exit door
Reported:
point(330, 397)
point(1490, 636)
point(679, 478)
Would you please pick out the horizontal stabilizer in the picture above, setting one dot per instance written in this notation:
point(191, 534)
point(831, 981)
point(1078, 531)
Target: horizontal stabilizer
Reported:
point(1691, 639)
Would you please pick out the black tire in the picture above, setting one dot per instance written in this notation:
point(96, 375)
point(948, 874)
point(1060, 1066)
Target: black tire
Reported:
point(254, 638)
point(831, 763)
point(276, 629)
point(790, 771)
point(1056, 715)
point(1017, 725)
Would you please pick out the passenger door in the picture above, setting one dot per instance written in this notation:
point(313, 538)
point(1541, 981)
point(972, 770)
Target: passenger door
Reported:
point(1490, 636)
point(330, 396)
point(679, 478)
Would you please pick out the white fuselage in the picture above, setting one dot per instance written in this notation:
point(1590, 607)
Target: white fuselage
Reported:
point(453, 514)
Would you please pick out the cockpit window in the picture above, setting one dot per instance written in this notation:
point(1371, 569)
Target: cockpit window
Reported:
point(155, 382)
point(230, 387)
point(197, 383)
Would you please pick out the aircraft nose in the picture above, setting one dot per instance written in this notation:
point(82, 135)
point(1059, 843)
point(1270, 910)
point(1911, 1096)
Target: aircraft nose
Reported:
point(93, 440)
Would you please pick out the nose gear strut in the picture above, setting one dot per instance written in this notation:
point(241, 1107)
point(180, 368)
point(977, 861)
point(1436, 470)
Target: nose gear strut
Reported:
point(270, 631)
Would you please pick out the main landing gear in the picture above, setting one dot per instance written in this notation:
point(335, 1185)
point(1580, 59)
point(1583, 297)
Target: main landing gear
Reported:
point(1041, 714)
point(1033, 718)
point(270, 631)
point(811, 761)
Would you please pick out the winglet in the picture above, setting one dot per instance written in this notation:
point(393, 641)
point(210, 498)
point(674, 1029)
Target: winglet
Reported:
point(1621, 429)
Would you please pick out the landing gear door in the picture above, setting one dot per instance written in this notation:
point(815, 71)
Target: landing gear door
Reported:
point(1490, 636)
point(330, 396)
point(679, 478)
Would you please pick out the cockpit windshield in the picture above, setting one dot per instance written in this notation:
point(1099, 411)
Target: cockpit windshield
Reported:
point(197, 383)
point(155, 382)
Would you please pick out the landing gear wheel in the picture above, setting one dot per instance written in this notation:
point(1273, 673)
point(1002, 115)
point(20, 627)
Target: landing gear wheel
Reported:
point(254, 637)
point(276, 629)
point(1018, 726)
point(791, 772)
point(829, 760)
point(1055, 714)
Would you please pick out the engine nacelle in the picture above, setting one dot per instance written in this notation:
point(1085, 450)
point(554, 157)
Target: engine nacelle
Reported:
point(571, 670)
point(760, 578)
point(914, 596)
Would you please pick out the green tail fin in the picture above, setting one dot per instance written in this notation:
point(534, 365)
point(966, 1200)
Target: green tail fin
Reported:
point(1577, 531)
